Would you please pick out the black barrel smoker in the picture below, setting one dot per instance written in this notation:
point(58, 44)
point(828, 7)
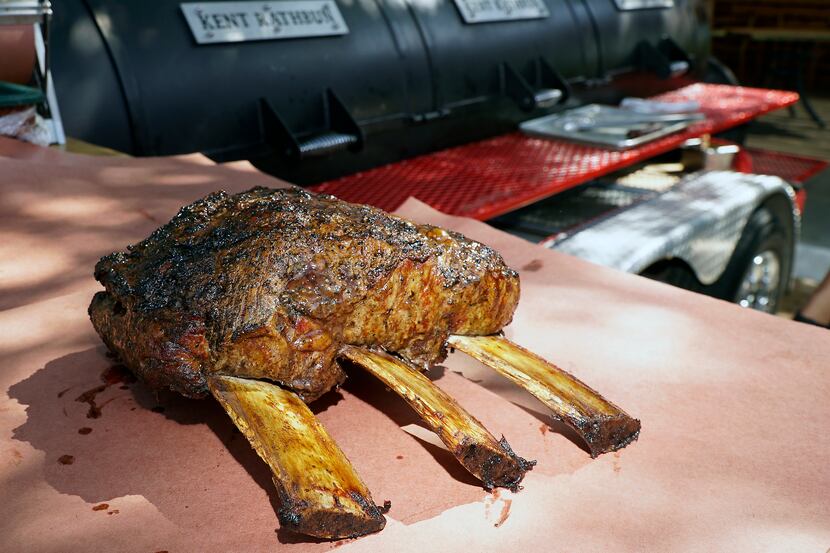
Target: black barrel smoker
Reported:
point(313, 89)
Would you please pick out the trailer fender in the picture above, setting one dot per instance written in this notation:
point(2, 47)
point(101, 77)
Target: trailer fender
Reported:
point(699, 221)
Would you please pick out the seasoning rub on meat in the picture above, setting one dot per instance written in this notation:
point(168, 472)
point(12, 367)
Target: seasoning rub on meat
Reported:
point(258, 297)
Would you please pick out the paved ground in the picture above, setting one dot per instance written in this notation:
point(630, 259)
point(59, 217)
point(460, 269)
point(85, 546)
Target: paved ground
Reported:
point(798, 135)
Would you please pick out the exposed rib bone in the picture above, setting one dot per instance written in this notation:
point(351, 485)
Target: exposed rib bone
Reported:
point(490, 460)
point(320, 492)
point(604, 426)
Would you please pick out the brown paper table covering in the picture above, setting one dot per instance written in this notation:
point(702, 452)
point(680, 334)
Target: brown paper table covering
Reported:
point(734, 454)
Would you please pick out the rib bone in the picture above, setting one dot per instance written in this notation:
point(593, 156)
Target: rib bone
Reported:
point(490, 460)
point(320, 492)
point(604, 426)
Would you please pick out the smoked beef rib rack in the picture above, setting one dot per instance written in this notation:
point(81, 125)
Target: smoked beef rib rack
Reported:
point(258, 297)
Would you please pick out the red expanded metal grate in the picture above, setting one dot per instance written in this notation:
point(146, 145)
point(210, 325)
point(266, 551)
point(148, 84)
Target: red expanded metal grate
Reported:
point(487, 178)
point(787, 166)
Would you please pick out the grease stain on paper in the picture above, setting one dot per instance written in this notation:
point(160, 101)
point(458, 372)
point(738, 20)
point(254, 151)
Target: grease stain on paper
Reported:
point(17, 457)
point(533, 266)
point(115, 374)
point(505, 512)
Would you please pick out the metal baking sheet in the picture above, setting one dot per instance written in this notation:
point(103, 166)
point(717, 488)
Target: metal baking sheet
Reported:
point(604, 126)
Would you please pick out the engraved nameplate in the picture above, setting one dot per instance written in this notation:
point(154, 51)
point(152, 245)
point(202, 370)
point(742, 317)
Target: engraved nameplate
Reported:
point(486, 11)
point(643, 4)
point(212, 22)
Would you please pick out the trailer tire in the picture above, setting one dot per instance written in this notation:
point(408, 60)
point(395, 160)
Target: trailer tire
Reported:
point(766, 235)
point(677, 273)
point(759, 269)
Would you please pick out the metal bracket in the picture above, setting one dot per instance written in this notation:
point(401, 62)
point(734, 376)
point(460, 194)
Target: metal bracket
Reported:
point(342, 131)
point(680, 61)
point(53, 114)
point(551, 91)
point(275, 132)
point(549, 78)
point(666, 60)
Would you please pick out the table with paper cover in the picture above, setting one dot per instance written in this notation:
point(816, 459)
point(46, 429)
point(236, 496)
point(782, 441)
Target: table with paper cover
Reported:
point(734, 453)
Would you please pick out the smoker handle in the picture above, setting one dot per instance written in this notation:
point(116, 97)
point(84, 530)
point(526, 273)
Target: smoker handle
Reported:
point(547, 97)
point(326, 143)
point(529, 97)
point(678, 68)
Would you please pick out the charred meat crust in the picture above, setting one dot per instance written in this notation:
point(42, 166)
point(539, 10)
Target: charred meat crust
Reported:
point(325, 524)
point(503, 470)
point(606, 434)
point(165, 352)
point(271, 283)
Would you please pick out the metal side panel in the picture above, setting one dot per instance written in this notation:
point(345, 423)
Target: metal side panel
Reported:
point(699, 221)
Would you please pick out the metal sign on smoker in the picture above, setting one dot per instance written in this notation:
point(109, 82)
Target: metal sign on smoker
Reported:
point(215, 22)
point(486, 11)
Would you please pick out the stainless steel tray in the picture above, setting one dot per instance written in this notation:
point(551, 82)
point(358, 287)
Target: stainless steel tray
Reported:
point(607, 126)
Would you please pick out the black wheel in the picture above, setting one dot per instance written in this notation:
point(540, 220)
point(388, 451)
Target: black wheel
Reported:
point(675, 272)
point(759, 269)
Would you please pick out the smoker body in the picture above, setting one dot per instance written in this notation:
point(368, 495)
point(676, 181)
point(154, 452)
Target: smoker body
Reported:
point(408, 77)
